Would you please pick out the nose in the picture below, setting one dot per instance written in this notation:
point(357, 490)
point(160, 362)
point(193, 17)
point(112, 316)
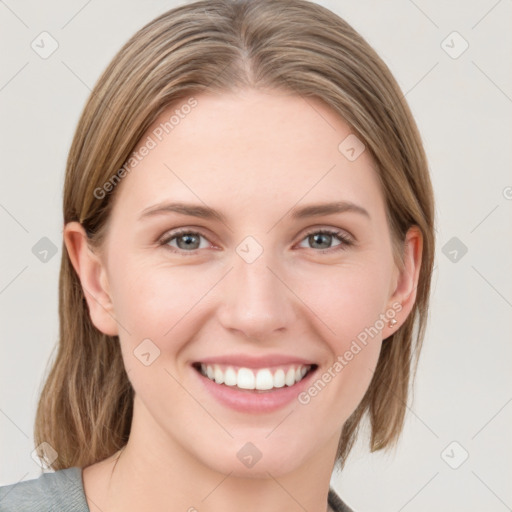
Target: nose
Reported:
point(256, 300)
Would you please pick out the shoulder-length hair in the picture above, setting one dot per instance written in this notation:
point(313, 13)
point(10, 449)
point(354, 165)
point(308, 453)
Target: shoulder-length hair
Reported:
point(86, 404)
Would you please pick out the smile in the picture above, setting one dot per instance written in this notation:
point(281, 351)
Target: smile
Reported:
point(262, 379)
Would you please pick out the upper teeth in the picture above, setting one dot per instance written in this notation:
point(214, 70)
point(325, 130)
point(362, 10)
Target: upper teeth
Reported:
point(261, 379)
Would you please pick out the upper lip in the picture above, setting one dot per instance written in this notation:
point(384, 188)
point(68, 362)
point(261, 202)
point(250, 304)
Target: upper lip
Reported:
point(245, 361)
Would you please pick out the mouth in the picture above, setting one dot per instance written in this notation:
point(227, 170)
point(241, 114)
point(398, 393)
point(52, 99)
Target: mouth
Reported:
point(255, 380)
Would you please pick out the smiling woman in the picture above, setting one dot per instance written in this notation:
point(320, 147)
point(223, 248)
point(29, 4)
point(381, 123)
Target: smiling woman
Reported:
point(234, 306)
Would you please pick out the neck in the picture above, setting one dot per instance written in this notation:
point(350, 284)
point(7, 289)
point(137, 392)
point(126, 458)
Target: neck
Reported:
point(154, 472)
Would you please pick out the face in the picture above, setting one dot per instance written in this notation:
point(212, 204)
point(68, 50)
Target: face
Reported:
point(264, 293)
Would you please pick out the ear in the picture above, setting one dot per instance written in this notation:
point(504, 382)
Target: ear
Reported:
point(405, 283)
point(93, 277)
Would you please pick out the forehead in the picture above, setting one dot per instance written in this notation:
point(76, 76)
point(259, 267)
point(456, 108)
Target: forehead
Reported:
point(250, 150)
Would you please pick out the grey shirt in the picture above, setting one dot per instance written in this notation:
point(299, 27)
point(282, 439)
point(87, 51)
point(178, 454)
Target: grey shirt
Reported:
point(63, 491)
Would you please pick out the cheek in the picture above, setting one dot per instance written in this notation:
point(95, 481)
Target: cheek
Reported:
point(349, 304)
point(156, 304)
point(163, 304)
point(150, 299)
point(347, 299)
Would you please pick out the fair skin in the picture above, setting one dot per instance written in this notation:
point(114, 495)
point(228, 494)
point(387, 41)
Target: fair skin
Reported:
point(267, 154)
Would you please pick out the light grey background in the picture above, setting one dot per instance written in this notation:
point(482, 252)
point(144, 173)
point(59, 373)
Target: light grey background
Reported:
point(463, 107)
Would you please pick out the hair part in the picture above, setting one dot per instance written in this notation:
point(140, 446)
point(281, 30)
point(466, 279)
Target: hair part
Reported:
point(85, 407)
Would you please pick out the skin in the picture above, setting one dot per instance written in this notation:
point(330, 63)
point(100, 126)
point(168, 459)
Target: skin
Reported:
point(275, 150)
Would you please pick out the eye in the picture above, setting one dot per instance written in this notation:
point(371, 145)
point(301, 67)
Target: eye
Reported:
point(190, 241)
point(185, 240)
point(324, 237)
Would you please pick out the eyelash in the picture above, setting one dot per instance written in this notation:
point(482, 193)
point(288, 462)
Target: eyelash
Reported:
point(345, 241)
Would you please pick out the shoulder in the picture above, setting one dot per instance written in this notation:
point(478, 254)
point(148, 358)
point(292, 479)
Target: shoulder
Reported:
point(60, 490)
point(336, 503)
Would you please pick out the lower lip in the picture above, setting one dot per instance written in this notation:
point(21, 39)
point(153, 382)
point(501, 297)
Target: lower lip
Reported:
point(251, 401)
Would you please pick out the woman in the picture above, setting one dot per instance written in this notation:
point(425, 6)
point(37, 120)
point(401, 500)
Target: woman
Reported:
point(212, 355)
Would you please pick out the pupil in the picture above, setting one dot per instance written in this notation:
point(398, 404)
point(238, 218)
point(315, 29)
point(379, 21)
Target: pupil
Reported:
point(319, 235)
point(189, 239)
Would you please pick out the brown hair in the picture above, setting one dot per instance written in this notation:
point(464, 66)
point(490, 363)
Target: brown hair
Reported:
point(85, 407)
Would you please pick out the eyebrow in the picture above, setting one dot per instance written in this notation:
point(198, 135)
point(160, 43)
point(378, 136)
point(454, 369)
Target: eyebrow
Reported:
point(205, 212)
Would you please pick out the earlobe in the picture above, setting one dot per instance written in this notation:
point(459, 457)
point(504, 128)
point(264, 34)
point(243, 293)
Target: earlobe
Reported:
point(404, 293)
point(93, 278)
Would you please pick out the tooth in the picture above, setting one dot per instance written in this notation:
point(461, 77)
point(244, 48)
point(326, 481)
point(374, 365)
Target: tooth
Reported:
point(279, 378)
point(219, 376)
point(264, 380)
point(230, 378)
point(290, 377)
point(245, 379)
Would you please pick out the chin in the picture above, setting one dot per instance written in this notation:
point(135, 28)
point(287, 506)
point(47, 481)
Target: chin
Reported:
point(255, 459)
